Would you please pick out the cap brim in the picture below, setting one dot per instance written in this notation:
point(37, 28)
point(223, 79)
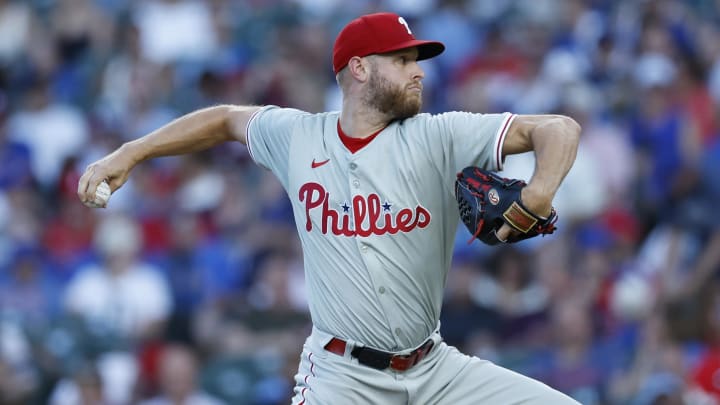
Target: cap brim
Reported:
point(426, 49)
point(429, 49)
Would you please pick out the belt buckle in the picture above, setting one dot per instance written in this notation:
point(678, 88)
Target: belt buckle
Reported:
point(409, 360)
point(413, 358)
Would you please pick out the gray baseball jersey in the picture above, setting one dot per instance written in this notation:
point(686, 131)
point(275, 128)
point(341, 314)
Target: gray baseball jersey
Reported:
point(377, 226)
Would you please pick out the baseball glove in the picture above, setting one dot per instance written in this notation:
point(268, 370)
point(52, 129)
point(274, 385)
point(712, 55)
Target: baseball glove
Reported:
point(486, 201)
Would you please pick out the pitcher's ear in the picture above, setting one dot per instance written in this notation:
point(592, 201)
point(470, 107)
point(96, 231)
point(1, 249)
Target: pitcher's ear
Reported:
point(359, 68)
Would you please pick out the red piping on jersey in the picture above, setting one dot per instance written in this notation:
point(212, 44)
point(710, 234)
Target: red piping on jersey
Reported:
point(501, 141)
point(355, 144)
point(312, 373)
point(247, 133)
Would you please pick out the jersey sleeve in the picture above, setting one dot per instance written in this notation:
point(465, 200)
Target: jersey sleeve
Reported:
point(269, 133)
point(472, 139)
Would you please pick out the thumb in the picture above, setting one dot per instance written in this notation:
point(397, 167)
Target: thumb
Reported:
point(116, 182)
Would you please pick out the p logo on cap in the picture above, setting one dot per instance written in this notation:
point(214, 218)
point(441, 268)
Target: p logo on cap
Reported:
point(379, 33)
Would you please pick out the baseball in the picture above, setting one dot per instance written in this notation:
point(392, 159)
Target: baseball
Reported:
point(102, 196)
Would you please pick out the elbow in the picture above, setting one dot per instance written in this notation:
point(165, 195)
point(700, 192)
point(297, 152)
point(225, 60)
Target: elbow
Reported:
point(571, 128)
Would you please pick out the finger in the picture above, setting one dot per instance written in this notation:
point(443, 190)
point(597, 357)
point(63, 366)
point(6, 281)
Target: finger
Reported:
point(89, 183)
point(504, 232)
point(83, 183)
point(93, 183)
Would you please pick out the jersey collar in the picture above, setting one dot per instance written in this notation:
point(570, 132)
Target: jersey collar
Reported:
point(355, 144)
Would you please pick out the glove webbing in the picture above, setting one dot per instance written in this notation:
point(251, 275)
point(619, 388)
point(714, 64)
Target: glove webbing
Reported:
point(476, 185)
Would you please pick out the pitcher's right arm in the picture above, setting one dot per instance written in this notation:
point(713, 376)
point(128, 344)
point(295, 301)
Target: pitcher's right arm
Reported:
point(193, 132)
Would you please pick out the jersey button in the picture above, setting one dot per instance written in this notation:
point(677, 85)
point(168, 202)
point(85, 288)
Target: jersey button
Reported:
point(363, 248)
point(356, 183)
point(398, 331)
point(381, 290)
point(353, 166)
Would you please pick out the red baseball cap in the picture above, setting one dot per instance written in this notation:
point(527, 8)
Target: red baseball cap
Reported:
point(379, 33)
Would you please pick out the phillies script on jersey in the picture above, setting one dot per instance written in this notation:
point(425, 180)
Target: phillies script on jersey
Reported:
point(315, 196)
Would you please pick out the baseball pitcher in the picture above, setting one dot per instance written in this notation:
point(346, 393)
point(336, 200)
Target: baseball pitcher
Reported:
point(373, 188)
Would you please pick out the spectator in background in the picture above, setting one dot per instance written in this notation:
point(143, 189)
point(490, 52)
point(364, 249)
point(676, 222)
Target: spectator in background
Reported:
point(576, 363)
point(176, 30)
point(203, 271)
point(90, 387)
point(80, 30)
point(52, 131)
point(21, 220)
point(16, 22)
point(664, 145)
point(695, 231)
point(85, 387)
point(655, 370)
point(19, 380)
point(493, 77)
point(106, 380)
point(125, 78)
point(27, 291)
point(67, 237)
point(510, 289)
point(462, 317)
point(272, 309)
point(121, 292)
point(178, 376)
point(16, 158)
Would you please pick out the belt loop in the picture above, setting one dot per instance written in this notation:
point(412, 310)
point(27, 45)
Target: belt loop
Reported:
point(349, 346)
point(436, 336)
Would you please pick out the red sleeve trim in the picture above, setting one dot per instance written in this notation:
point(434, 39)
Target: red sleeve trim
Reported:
point(500, 140)
point(247, 134)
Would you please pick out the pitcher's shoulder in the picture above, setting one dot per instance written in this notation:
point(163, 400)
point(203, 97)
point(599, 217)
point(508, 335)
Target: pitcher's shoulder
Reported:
point(318, 117)
point(429, 118)
point(423, 120)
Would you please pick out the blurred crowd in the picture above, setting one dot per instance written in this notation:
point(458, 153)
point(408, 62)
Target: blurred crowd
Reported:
point(189, 289)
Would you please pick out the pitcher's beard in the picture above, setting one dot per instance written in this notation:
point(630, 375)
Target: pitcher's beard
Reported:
point(391, 99)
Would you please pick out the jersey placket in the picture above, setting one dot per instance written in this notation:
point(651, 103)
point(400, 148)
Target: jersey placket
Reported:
point(376, 270)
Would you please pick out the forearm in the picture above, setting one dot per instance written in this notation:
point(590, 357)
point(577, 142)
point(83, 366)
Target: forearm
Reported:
point(193, 132)
point(190, 133)
point(554, 142)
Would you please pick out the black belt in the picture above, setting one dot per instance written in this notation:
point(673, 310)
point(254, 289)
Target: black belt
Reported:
point(381, 360)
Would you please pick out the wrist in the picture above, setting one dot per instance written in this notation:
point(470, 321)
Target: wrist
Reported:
point(536, 201)
point(133, 153)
